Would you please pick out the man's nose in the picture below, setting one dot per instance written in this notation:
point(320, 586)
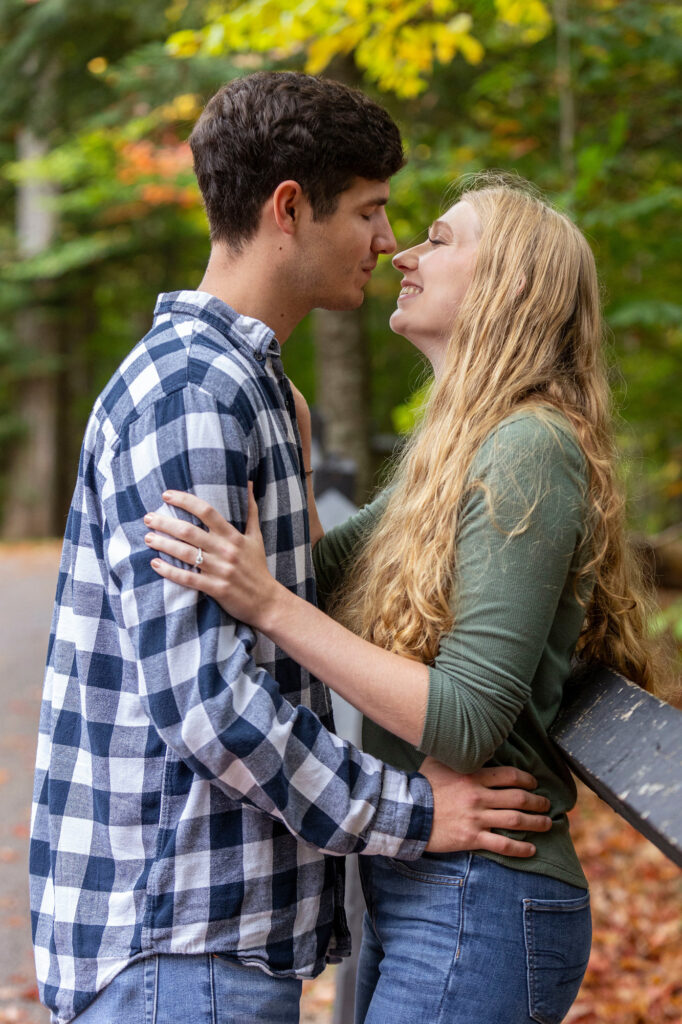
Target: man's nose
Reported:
point(384, 239)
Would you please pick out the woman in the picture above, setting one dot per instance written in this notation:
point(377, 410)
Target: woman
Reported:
point(460, 596)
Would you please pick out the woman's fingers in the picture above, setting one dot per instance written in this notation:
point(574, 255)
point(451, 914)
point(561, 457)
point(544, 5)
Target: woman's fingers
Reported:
point(201, 509)
point(180, 529)
point(185, 577)
point(175, 548)
point(252, 522)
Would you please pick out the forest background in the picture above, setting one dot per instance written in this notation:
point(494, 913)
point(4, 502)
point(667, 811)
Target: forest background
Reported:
point(99, 210)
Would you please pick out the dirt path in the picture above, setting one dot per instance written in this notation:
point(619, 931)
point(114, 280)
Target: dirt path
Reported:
point(28, 575)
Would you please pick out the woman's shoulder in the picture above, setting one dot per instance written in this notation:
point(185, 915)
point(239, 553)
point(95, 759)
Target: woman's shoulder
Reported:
point(528, 439)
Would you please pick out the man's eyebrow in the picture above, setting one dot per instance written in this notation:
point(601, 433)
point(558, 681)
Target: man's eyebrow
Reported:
point(375, 201)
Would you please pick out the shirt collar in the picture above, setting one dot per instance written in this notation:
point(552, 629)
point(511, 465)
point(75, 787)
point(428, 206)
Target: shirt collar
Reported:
point(256, 336)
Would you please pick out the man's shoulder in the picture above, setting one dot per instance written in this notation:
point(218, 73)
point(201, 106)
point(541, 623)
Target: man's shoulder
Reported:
point(180, 353)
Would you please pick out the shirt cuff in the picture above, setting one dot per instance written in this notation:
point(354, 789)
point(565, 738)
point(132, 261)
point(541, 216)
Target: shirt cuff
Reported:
point(402, 830)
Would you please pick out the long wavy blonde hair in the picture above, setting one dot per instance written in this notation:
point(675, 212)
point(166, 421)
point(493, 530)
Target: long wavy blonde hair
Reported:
point(528, 334)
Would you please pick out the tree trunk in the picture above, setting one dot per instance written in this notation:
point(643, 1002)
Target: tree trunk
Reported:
point(343, 390)
point(565, 89)
point(31, 503)
point(663, 554)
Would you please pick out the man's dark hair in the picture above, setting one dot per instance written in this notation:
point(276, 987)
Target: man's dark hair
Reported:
point(268, 127)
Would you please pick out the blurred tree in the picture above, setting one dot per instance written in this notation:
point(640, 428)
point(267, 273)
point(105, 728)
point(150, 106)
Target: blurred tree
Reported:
point(107, 111)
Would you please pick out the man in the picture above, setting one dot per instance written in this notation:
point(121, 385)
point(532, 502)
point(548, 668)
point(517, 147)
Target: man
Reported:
point(191, 799)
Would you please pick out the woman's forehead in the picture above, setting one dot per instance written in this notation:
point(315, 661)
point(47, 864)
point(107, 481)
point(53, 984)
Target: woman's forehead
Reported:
point(461, 216)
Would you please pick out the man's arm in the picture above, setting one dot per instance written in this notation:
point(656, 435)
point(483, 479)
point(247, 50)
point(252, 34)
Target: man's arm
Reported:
point(210, 702)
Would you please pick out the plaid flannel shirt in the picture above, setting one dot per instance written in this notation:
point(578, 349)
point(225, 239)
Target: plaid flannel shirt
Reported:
point(189, 789)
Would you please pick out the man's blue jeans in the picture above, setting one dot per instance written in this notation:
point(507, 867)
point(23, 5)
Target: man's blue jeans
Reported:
point(458, 939)
point(205, 989)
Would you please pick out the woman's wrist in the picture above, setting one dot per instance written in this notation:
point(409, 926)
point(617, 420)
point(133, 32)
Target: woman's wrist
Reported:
point(272, 608)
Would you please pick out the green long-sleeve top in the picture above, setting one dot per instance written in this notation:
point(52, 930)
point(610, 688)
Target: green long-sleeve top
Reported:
point(496, 683)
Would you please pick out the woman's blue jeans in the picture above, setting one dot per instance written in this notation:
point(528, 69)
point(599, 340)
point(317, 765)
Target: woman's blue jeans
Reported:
point(458, 939)
point(202, 989)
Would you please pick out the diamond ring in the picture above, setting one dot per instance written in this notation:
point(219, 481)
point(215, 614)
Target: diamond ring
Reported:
point(200, 557)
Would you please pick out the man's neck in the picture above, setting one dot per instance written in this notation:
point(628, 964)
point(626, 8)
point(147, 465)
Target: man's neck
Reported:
point(251, 286)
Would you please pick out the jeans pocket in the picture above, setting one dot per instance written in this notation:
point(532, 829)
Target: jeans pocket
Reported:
point(434, 869)
point(558, 934)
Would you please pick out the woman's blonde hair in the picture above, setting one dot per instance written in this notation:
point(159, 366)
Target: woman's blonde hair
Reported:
point(528, 334)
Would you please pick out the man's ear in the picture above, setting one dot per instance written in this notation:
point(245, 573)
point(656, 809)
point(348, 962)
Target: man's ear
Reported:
point(287, 202)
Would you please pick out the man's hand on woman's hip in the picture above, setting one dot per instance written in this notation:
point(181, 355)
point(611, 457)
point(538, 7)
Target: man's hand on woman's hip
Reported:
point(467, 807)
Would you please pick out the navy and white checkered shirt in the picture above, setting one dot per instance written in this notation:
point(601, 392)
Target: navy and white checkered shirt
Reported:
point(188, 788)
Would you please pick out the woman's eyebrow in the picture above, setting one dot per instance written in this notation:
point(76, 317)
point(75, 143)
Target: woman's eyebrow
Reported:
point(440, 225)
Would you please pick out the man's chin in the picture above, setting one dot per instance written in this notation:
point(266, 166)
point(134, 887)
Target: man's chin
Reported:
point(344, 303)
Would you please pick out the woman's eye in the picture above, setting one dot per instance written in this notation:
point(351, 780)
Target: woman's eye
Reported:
point(435, 241)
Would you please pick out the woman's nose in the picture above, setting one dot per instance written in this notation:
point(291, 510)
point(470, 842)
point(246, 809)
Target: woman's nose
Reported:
point(405, 260)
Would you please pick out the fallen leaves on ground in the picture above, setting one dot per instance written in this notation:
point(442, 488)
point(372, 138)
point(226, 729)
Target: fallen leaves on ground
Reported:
point(635, 971)
point(19, 1002)
point(317, 1001)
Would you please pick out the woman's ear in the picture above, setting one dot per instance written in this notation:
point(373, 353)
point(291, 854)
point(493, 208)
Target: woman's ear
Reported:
point(287, 200)
point(520, 284)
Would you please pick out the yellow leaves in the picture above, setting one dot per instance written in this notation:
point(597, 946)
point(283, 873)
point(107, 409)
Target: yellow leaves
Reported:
point(183, 108)
point(356, 10)
point(184, 44)
point(397, 43)
point(98, 65)
point(324, 49)
point(531, 17)
point(442, 8)
point(176, 10)
point(471, 49)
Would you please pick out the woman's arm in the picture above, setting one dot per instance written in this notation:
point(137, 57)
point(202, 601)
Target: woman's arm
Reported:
point(392, 690)
point(515, 568)
point(462, 708)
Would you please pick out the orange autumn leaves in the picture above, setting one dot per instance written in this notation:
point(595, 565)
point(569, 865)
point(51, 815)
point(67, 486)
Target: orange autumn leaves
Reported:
point(162, 173)
point(635, 971)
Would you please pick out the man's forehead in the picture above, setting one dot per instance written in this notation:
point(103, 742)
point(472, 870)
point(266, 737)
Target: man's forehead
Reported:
point(367, 192)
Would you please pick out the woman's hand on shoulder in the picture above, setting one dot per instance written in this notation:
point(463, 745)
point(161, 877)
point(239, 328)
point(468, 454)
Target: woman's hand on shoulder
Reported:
point(228, 565)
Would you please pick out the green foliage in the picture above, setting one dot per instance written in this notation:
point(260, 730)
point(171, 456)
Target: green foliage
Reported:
point(407, 415)
point(472, 84)
point(669, 620)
